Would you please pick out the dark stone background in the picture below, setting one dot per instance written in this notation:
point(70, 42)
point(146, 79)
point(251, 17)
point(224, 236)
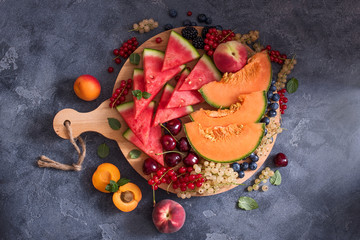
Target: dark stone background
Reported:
point(45, 45)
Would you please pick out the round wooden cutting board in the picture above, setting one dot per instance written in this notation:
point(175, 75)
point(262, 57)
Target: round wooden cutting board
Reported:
point(97, 120)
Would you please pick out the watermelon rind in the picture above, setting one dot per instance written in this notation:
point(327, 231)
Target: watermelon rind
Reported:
point(207, 60)
point(230, 161)
point(153, 52)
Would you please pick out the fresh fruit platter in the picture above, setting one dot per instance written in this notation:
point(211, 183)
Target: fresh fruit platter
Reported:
point(199, 131)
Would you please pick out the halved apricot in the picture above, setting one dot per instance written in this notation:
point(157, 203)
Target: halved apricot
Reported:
point(103, 174)
point(128, 197)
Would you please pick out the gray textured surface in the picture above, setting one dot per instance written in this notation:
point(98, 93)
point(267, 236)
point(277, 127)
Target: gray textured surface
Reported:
point(45, 45)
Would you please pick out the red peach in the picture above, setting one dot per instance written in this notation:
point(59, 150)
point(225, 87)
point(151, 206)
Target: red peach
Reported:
point(230, 56)
point(168, 216)
point(87, 87)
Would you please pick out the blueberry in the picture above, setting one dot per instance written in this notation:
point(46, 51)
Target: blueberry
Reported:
point(218, 27)
point(265, 132)
point(168, 26)
point(269, 95)
point(252, 166)
point(172, 13)
point(272, 88)
point(201, 17)
point(236, 167)
point(241, 174)
point(193, 24)
point(254, 157)
point(244, 166)
point(275, 97)
point(208, 20)
point(265, 120)
point(187, 23)
point(271, 113)
point(274, 106)
point(273, 82)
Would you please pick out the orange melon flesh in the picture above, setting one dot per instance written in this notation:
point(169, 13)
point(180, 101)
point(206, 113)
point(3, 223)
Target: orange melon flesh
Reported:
point(255, 76)
point(226, 148)
point(251, 108)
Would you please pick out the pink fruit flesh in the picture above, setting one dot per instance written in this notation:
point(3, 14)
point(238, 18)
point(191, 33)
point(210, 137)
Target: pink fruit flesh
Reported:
point(230, 56)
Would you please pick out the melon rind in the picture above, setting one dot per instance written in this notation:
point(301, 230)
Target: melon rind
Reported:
point(228, 161)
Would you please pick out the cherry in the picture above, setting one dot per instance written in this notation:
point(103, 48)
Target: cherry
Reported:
point(168, 142)
point(183, 145)
point(172, 159)
point(191, 159)
point(281, 160)
point(150, 166)
point(174, 126)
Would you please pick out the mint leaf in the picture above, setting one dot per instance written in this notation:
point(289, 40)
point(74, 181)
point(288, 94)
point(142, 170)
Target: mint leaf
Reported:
point(103, 150)
point(114, 123)
point(137, 94)
point(122, 181)
point(112, 186)
point(134, 153)
point(135, 58)
point(276, 179)
point(146, 95)
point(247, 203)
point(292, 85)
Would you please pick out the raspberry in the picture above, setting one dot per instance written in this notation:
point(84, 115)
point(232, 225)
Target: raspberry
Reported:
point(189, 33)
point(198, 42)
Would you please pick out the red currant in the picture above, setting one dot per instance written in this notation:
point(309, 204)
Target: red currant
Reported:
point(283, 107)
point(182, 170)
point(206, 47)
point(117, 60)
point(189, 13)
point(175, 186)
point(191, 186)
point(285, 99)
point(151, 182)
point(268, 47)
point(110, 69)
point(116, 52)
point(198, 183)
point(282, 111)
point(158, 40)
point(183, 189)
point(174, 178)
point(192, 177)
point(163, 180)
point(155, 187)
point(210, 52)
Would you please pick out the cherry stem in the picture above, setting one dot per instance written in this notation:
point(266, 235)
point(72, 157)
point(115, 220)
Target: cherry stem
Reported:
point(168, 131)
point(183, 154)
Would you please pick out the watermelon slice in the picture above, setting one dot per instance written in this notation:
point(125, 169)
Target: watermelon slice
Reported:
point(150, 149)
point(178, 51)
point(166, 114)
point(203, 73)
point(138, 83)
point(140, 126)
point(153, 78)
point(184, 98)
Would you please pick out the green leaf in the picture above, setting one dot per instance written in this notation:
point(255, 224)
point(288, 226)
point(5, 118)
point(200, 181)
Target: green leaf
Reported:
point(114, 123)
point(146, 95)
point(292, 85)
point(112, 186)
point(137, 94)
point(134, 153)
point(247, 203)
point(276, 179)
point(103, 150)
point(135, 58)
point(122, 181)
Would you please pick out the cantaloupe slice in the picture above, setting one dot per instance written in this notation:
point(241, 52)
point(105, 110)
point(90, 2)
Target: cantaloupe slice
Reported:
point(224, 144)
point(255, 76)
point(249, 109)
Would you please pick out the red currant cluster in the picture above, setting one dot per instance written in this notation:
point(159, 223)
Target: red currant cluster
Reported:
point(120, 93)
point(124, 51)
point(214, 38)
point(283, 100)
point(275, 56)
point(182, 178)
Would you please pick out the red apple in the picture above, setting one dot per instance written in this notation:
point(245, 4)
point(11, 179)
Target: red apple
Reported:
point(230, 56)
point(87, 87)
point(168, 216)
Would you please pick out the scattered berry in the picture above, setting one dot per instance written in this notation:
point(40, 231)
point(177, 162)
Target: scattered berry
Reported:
point(110, 69)
point(189, 13)
point(145, 25)
point(186, 23)
point(236, 167)
point(201, 18)
point(254, 157)
point(252, 166)
point(172, 13)
point(241, 174)
point(208, 20)
point(281, 160)
point(168, 26)
point(244, 166)
point(158, 40)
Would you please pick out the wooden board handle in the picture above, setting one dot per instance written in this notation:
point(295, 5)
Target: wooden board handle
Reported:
point(94, 121)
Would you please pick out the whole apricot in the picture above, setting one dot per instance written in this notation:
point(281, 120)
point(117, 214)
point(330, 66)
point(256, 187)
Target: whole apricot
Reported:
point(103, 174)
point(87, 87)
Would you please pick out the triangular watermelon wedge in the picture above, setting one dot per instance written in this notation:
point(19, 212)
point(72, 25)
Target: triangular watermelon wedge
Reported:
point(183, 98)
point(166, 114)
point(153, 79)
point(178, 51)
point(140, 126)
point(154, 146)
point(204, 72)
point(138, 83)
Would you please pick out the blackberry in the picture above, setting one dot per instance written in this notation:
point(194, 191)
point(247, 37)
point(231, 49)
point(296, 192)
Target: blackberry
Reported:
point(187, 23)
point(201, 18)
point(172, 13)
point(198, 42)
point(189, 33)
point(168, 26)
point(205, 31)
